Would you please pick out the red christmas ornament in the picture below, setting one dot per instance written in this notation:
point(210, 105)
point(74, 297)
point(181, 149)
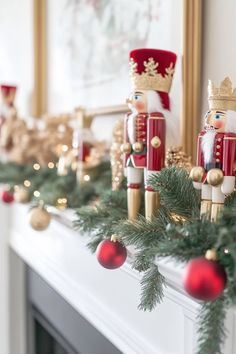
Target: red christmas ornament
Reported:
point(111, 254)
point(7, 197)
point(204, 278)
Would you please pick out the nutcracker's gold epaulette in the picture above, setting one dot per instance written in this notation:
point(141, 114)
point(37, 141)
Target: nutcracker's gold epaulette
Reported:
point(152, 116)
point(230, 138)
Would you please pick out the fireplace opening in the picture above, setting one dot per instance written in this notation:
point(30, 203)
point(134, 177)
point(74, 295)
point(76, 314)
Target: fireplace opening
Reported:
point(47, 340)
point(55, 327)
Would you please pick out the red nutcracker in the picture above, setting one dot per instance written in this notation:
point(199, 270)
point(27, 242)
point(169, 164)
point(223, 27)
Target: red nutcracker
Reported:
point(216, 152)
point(83, 142)
point(151, 72)
point(8, 96)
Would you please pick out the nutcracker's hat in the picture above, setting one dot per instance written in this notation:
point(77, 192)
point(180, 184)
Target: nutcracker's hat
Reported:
point(8, 93)
point(152, 69)
point(6, 90)
point(222, 97)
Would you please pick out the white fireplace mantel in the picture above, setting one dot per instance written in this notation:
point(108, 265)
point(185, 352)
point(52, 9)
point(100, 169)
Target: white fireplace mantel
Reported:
point(107, 299)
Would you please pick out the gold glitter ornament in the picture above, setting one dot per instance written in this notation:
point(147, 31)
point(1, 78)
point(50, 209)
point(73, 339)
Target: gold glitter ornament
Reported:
point(40, 218)
point(176, 156)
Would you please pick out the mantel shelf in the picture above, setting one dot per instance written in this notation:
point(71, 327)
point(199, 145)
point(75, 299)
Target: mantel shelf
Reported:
point(107, 299)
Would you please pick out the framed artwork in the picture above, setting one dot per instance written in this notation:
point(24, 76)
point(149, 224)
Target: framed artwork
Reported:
point(84, 55)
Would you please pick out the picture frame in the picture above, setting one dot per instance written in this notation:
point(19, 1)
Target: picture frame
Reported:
point(191, 69)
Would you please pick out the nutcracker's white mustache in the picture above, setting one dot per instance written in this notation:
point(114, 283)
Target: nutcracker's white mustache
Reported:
point(208, 145)
point(133, 109)
point(208, 128)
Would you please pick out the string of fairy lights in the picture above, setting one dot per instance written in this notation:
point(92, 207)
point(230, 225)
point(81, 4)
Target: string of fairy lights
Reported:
point(62, 170)
point(21, 192)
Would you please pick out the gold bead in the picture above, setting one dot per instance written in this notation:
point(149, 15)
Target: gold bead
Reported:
point(126, 148)
point(137, 147)
point(197, 173)
point(115, 238)
point(211, 255)
point(156, 142)
point(215, 177)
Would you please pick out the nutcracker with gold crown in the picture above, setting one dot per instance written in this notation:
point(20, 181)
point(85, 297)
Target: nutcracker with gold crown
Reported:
point(216, 152)
point(8, 94)
point(151, 72)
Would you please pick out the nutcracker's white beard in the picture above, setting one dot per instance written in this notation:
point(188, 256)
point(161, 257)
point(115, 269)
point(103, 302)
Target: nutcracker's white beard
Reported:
point(208, 145)
point(131, 124)
point(155, 105)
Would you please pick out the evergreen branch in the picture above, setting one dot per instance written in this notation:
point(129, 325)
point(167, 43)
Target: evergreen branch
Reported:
point(144, 233)
point(176, 191)
point(211, 326)
point(94, 242)
point(191, 240)
point(152, 285)
point(144, 259)
point(102, 220)
point(12, 173)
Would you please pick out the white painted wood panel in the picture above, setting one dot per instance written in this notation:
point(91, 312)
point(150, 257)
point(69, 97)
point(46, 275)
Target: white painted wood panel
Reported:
point(109, 299)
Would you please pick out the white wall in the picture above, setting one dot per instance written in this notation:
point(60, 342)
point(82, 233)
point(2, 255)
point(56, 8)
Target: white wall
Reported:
point(219, 48)
point(16, 48)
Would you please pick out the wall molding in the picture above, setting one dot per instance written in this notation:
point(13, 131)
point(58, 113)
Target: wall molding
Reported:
point(39, 102)
point(192, 44)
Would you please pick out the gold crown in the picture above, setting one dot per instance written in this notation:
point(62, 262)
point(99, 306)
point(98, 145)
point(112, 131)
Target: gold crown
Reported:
point(150, 79)
point(223, 97)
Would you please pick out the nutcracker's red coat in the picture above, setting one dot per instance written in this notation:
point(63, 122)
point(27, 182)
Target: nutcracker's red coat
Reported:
point(224, 152)
point(147, 126)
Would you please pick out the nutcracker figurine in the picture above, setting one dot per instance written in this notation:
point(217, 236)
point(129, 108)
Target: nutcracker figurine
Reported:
point(151, 72)
point(216, 153)
point(8, 96)
point(83, 141)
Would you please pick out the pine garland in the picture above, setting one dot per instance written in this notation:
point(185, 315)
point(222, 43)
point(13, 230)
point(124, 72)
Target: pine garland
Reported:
point(51, 186)
point(176, 232)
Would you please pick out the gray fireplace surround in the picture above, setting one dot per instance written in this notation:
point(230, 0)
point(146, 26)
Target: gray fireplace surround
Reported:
point(69, 329)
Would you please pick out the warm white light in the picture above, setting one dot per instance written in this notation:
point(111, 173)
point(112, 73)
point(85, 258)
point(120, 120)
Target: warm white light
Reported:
point(226, 251)
point(27, 183)
point(36, 166)
point(51, 165)
point(36, 194)
point(62, 200)
point(87, 178)
point(64, 148)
